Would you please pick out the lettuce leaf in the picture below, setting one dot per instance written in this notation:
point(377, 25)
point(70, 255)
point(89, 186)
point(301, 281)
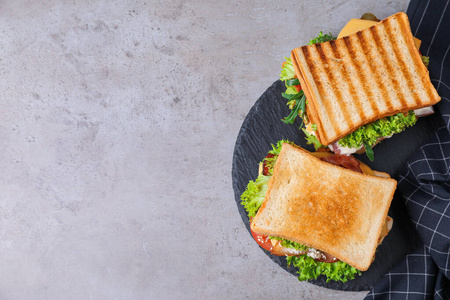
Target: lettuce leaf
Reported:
point(287, 70)
point(312, 139)
point(254, 194)
point(276, 149)
point(370, 133)
point(309, 269)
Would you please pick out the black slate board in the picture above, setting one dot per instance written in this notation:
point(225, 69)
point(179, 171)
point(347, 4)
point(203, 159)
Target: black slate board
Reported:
point(263, 127)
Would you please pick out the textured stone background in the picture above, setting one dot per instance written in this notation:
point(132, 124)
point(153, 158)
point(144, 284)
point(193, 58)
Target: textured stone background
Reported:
point(117, 124)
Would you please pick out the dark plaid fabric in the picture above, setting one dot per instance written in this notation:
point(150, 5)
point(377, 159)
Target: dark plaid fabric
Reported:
point(425, 182)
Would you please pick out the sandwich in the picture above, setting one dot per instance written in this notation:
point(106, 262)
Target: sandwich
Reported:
point(326, 213)
point(366, 85)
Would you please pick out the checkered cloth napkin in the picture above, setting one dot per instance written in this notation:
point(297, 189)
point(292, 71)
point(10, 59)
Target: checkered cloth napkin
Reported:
point(425, 182)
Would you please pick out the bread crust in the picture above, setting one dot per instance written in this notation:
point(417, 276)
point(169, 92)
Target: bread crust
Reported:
point(363, 77)
point(324, 206)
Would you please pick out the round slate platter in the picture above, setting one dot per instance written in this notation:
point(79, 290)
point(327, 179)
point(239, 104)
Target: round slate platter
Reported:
point(263, 127)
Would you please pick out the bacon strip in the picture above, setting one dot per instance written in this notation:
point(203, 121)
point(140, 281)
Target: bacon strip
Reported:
point(345, 161)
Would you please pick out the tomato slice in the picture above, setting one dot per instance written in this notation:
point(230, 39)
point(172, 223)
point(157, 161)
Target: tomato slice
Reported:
point(262, 240)
point(298, 88)
point(265, 170)
point(345, 161)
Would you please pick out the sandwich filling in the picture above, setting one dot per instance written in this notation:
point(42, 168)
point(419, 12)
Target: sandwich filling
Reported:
point(310, 262)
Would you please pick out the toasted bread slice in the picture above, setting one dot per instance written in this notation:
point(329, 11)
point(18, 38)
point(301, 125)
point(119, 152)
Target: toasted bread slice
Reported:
point(357, 79)
point(324, 206)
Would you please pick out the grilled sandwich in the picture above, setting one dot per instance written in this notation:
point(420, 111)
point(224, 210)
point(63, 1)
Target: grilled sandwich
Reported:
point(363, 77)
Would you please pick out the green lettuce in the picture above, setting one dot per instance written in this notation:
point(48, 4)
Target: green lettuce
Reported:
point(276, 149)
point(312, 139)
point(370, 133)
point(254, 194)
point(309, 269)
point(287, 70)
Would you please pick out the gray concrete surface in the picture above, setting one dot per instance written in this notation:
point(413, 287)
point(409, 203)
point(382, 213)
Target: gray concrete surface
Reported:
point(117, 124)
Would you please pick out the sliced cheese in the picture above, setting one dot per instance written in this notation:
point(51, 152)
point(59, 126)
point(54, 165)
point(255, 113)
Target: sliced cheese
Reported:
point(355, 25)
point(366, 169)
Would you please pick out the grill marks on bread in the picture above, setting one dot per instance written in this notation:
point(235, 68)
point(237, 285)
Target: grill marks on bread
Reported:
point(349, 88)
point(391, 79)
point(417, 69)
point(319, 75)
point(367, 50)
point(399, 64)
point(363, 77)
point(359, 71)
